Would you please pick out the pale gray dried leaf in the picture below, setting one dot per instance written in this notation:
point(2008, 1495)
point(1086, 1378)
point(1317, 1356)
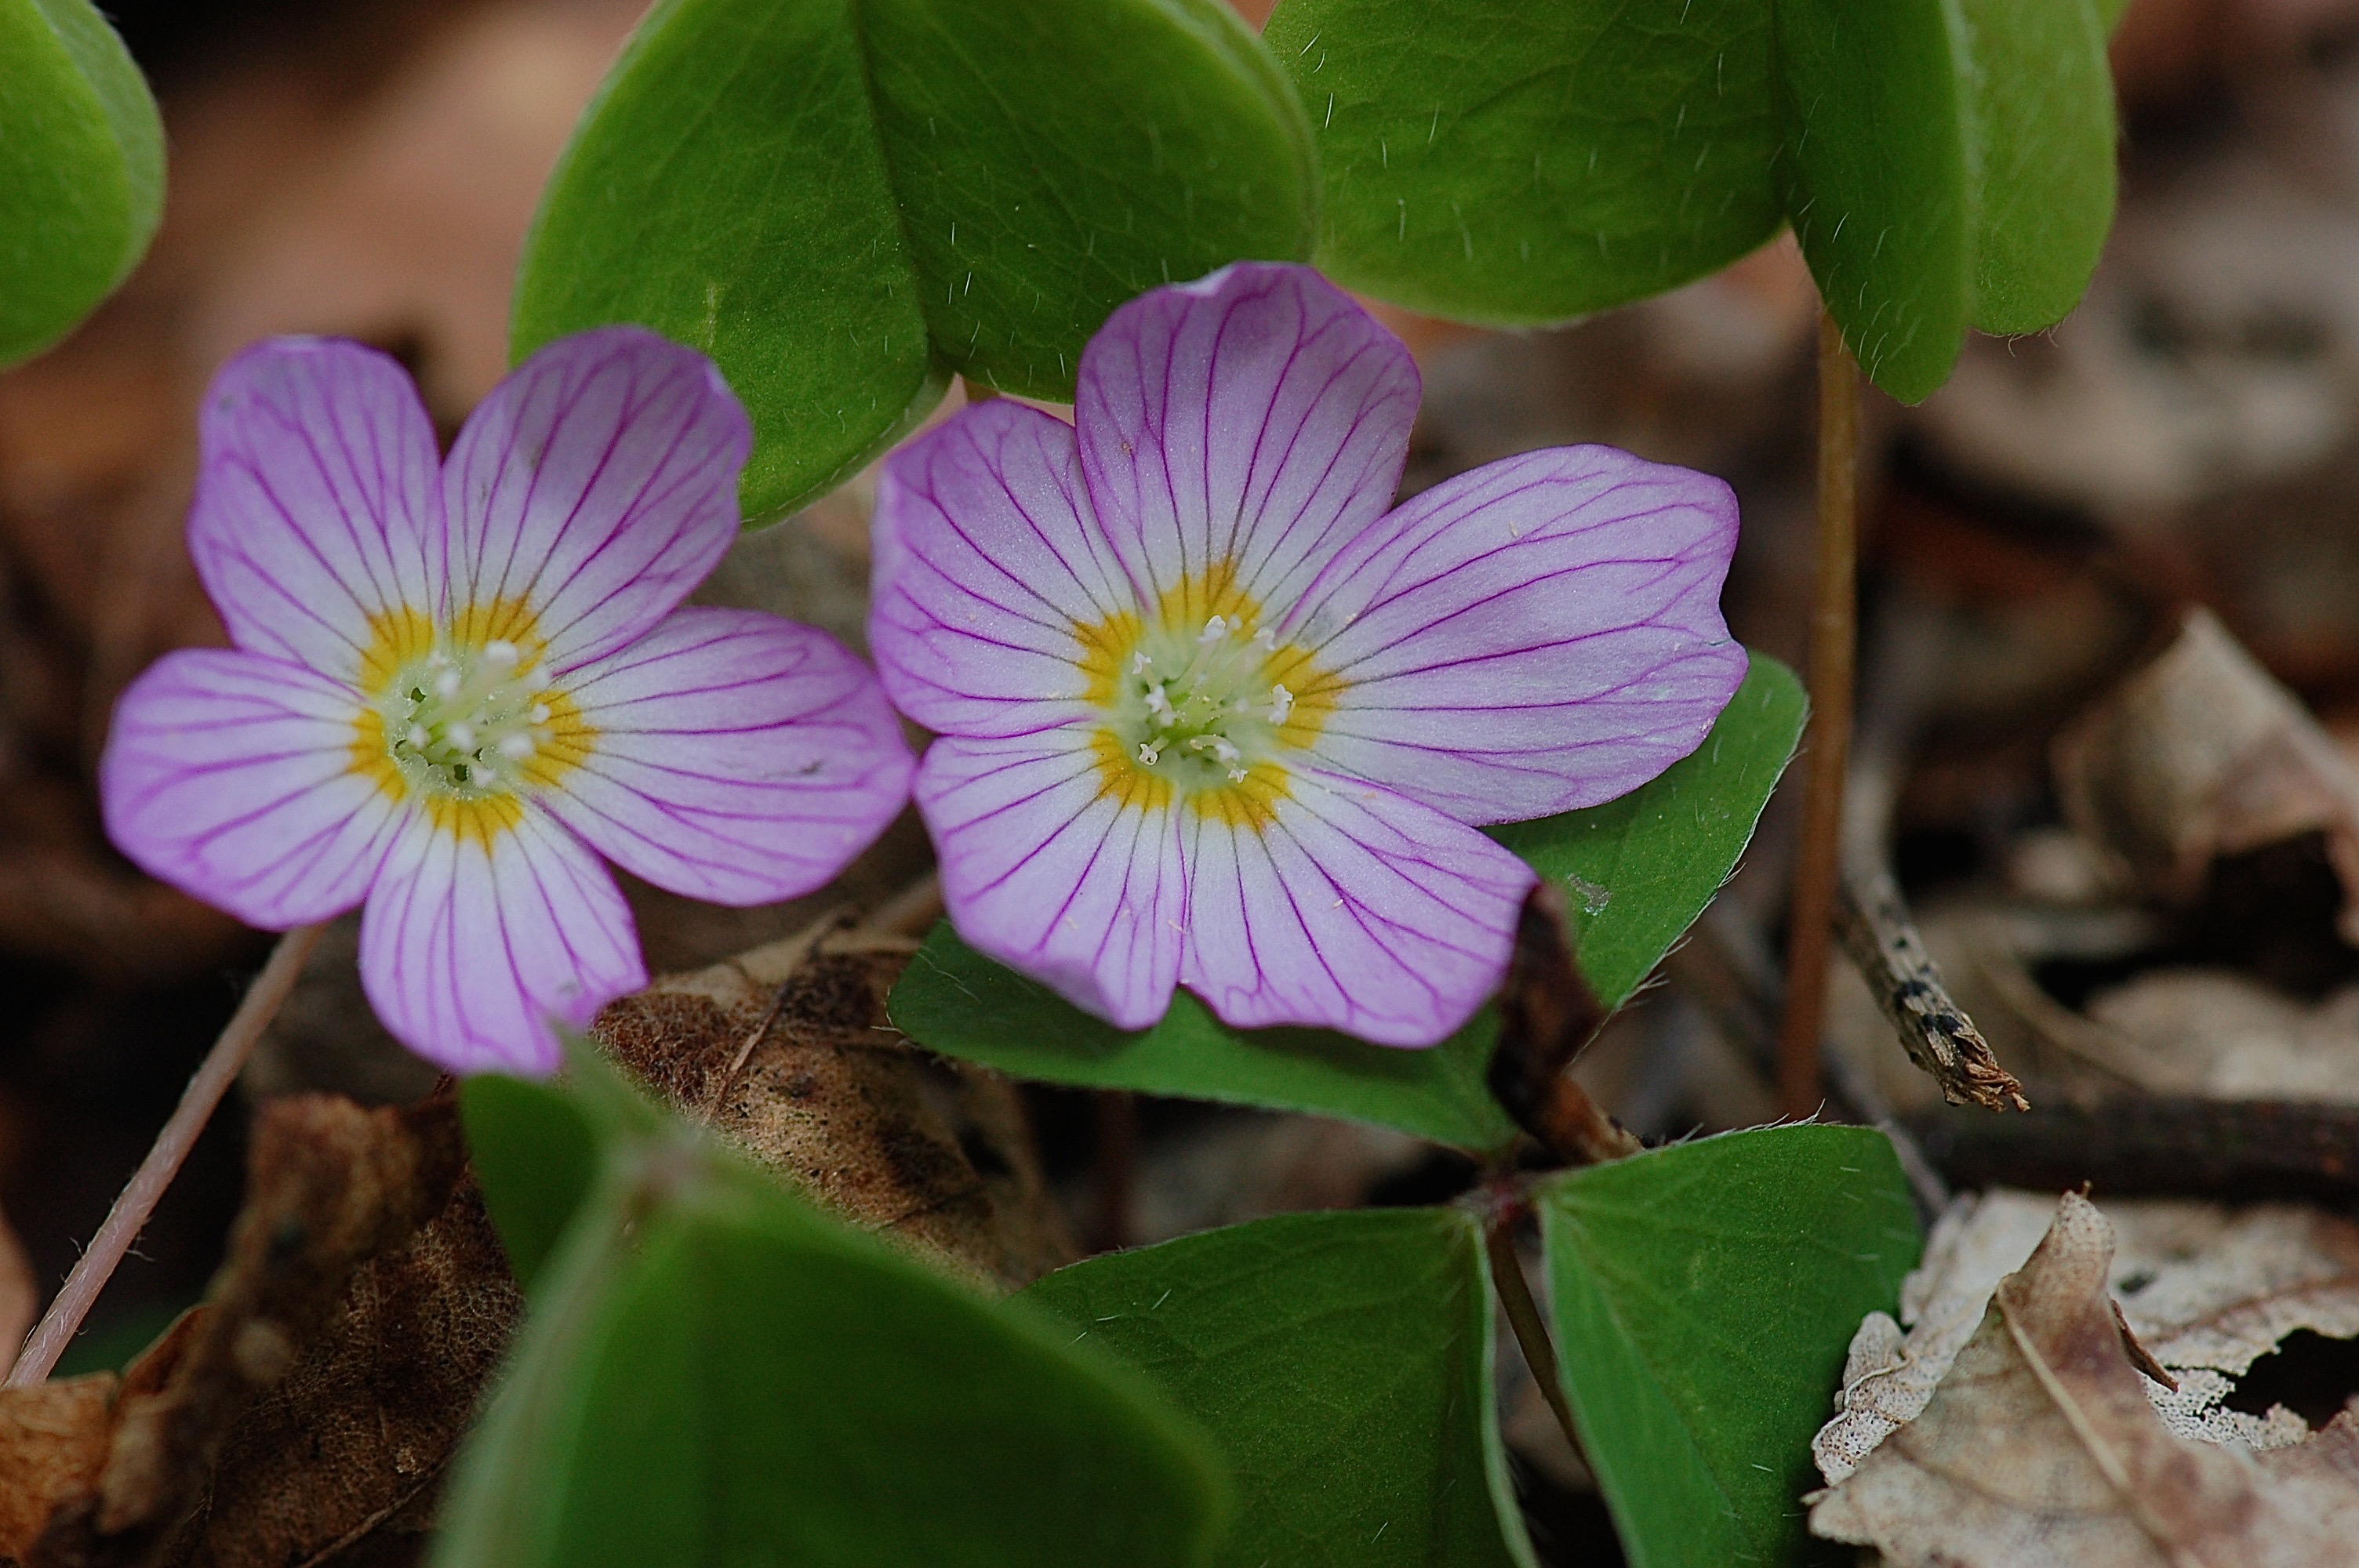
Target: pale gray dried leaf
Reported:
point(2208, 1289)
point(2203, 754)
point(2041, 1446)
point(2216, 1032)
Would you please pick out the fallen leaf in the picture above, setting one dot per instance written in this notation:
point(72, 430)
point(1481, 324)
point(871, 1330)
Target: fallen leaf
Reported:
point(2206, 1289)
point(341, 1462)
point(329, 1186)
point(2201, 754)
point(786, 1051)
point(2217, 1032)
point(2041, 1444)
point(53, 1445)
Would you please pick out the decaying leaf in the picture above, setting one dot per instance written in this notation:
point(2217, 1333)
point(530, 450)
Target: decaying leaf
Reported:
point(116, 1468)
point(2206, 1289)
point(2200, 754)
point(2217, 1032)
point(339, 1463)
point(53, 1445)
point(2042, 1443)
point(786, 1051)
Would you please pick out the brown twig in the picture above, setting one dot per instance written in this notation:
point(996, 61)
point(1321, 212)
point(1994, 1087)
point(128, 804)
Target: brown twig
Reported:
point(1524, 1318)
point(1832, 633)
point(1547, 1013)
point(1937, 1035)
point(138, 1198)
point(2160, 1145)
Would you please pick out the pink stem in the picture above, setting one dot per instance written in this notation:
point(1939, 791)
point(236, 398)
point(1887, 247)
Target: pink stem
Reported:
point(129, 1216)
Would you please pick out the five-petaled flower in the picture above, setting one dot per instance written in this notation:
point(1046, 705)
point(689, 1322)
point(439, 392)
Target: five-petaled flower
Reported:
point(1209, 714)
point(451, 694)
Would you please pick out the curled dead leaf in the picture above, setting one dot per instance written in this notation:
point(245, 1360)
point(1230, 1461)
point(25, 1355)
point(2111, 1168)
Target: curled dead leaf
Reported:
point(2203, 754)
point(786, 1051)
point(2042, 1443)
point(330, 1185)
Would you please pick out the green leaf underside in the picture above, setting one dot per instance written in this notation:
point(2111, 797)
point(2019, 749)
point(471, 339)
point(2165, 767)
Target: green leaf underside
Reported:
point(844, 203)
point(1637, 872)
point(536, 1156)
point(1946, 164)
point(2044, 102)
point(1875, 164)
point(1496, 161)
point(1342, 1361)
point(1703, 1298)
point(954, 1000)
point(711, 1371)
point(81, 169)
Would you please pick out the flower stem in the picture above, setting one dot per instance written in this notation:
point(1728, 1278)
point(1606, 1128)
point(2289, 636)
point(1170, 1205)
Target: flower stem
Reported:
point(138, 1198)
point(1524, 1318)
point(1833, 632)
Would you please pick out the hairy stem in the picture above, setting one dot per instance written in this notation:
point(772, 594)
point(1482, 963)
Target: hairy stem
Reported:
point(1832, 636)
point(1524, 1319)
point(129, 1216)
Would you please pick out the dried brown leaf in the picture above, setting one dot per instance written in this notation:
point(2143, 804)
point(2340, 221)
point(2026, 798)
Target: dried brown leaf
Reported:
point(340, 1462)
point(2201, 754)
point(2041, 1446)
point(53, 1445)
point(330, 1185)
point(786, 1051)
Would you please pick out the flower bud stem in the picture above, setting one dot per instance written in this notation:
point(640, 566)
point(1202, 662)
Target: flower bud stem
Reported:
point(137, 1201)
point(1827, 746)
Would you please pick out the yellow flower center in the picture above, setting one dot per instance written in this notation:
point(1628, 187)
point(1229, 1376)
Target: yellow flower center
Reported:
point(1201, 699)
point(457, 717)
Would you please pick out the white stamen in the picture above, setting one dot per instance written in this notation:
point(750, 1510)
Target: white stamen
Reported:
point(1236, 775)
point(1282, 703)
point(515, 748)
point(1214, 630)
point(1159, 705)
point(1221, 751)
point(540, 713)
point(462, 736)
point(416, 737)
point(1149, 753)
point(500, 655)
point(1266, 639)
point(446, 684)
point(1140, 664)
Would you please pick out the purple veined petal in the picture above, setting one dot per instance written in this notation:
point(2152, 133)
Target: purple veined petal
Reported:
point(739, 758)
point(1256, 420)
point(232, 777)
point(316, 508)
point(472, 943)
point(1049, 874)
point(1541, 634)
point(991, 572)
point(596, 485)
point(1349, 907)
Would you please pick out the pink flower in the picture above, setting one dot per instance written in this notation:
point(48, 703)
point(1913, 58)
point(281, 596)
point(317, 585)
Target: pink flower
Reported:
point(451, 694)
point(1212, 715)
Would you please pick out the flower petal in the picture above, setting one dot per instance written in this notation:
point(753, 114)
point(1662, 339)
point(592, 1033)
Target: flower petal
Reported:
point(1351, 907)
point(471, 944)
point(230, 777)
point(1541, 634)
point(1256, 418)
point(990, 571)
point(597, 484)
point(738, 758)
point(316, 505)
point(1046, 872)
